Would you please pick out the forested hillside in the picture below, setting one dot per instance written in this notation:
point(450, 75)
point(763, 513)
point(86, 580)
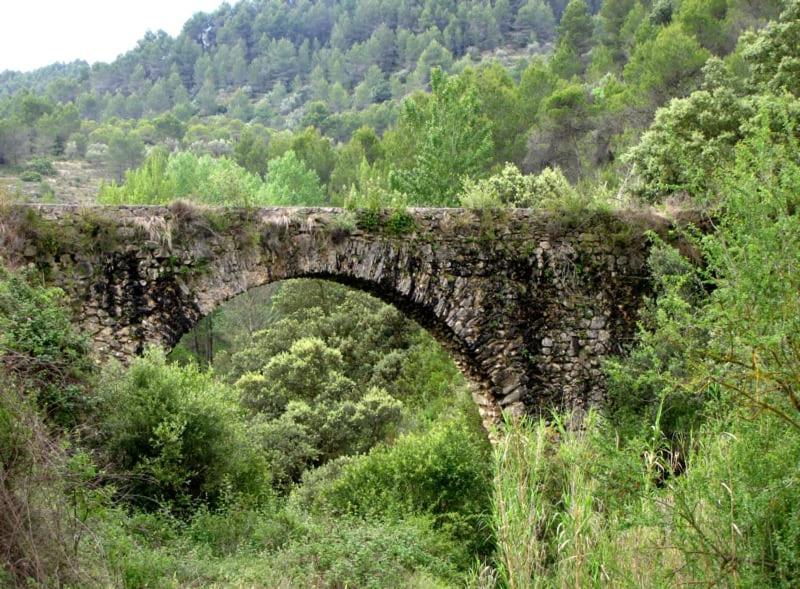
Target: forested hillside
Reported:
point(537, 84)
point(308, 435)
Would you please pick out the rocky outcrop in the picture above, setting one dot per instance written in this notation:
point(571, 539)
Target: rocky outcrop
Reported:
point(528, 303)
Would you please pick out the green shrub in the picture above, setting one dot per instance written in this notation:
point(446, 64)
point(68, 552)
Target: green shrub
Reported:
point(479, 194)
point(645, 385)
point(443, 473)
point(42, 166)
point(242, 528)
point(39, 344)
point(343, 224)
point(178, 434)
point(164, 178)
point(735, 512)
point(510, 187)
point(47, 498)
point(381, 554)
point(400, 222)
point(291, 182)
point(30, 176)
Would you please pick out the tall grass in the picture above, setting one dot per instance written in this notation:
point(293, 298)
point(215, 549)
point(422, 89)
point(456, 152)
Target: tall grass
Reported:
point(572, 509)
point(576, 508)
point(519, 510)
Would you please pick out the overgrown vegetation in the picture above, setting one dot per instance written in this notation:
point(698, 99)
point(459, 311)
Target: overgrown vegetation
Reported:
point(271, 454)
point(307, 435)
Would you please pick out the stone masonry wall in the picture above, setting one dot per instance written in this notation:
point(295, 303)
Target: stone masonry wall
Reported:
point(528, 303)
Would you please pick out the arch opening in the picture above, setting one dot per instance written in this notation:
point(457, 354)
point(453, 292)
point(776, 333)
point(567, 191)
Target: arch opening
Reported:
point(312, 354)
point(207, 339)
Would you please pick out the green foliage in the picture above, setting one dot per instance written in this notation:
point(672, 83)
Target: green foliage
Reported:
point(722, 361)
point(688, 140)
point(349, 552)
point(704, 20)
point(557, 137)
point(39, 346)
point(755, 259)
point(149, 184)
point(251, 153)
point(310, 412)
point(47, 496)
point(449, 138)
point(125, 152)
point(772, 53)
point(42, 166)
point(667, 65)
point(30, 176)
point(512, 188)
point(334, 374)
point(442, 473)
point(164, 178)
point(647, 384)
point(735, 511)
point(332, 398)
point(576, 29)
point(573, 111)
point(179, 435)
point(400, 222)
point(290, 182)
point(691, 138)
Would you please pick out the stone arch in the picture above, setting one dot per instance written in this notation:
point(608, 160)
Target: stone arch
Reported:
point(528, 304)
point(480, 385)
point(459, 351)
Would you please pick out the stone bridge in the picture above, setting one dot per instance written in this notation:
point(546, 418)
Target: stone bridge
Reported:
point(528, 303)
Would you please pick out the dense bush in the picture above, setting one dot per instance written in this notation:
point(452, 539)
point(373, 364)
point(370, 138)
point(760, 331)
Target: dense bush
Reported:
point(443, 473)
point(30, 176)
point(177, 435)
point(40, 347)
point(513, 188)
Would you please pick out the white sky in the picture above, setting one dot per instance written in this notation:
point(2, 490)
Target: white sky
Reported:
point(35, 33)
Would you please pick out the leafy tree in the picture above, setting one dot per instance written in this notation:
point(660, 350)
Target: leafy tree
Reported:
point(688, 140)
point(207, 97)
point(379, 484)
point(291, 182)
point(347, 170)
point(315, 150)
point(662, 12)
point(169, 126)
point(451, 140)
point(40, 347)
point(534, 22)
point(149, 184)
point(125, 152)
point(251, 153)
point(158, 100)
point(704, 20)
point(240, 107)
point(773, 53)
point(500, 102)
point(556, 140)
point(365, 136)
point(434, 56)
point(576, 28)
point(613, 15)
point(667, 66)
